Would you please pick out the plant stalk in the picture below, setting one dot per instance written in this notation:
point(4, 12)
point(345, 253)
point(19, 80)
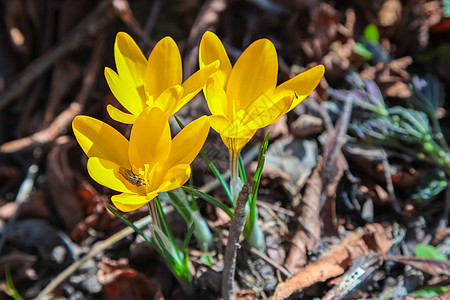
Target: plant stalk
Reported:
point(237, 224)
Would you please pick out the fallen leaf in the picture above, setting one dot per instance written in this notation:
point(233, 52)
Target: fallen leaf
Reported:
point(122, 282)
point(431, 266)
point(334, 262)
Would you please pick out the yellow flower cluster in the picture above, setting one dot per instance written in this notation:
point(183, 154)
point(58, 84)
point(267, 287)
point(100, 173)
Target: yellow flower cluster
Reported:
point(241, 100)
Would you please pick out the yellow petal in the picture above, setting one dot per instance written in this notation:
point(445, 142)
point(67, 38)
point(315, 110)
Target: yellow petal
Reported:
point(107, 173)
point(254, 73)
point(120, 116)
point(194, 135)
point(125, 93)
point(150, 139)
point(130, 61)
point(175, 177)
point(98, 139)
point(164, 68)
point(263, 117)
point(169, 99)
point(216, 97)
point(302, 84)
point(129, 202)
point(211, 49)
point(196, 82)
point(235, 145)
point(222, 125)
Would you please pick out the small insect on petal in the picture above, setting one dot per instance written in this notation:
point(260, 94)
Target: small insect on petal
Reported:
point(131, 177)
point(295, 95)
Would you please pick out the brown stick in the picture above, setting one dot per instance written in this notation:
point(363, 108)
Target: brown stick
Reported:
point(237, 224)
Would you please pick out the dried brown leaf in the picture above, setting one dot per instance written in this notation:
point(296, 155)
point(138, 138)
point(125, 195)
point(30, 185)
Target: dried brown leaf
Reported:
point(337, 259)
point(431, 266)
point(61, 184)
point(321, 185)
point(121, 282)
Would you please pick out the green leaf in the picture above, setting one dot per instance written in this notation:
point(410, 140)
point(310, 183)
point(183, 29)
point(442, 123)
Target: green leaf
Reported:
point(252, 232)
point(431, 184)
point(257, 178)
point(428, 251)
point(165, 225)
point(10, 284)
point(371, 33)
point(212, 167)
point(242, 170)
point(362, 50)
point(210, 199)
point(130, 224)
point(431, 291)
point(186, 206)
point(177, 198)
point(188, 238)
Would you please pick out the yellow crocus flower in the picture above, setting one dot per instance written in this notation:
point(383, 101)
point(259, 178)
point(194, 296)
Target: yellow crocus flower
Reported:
point(245, 97)
point(149, 163)
point(156, 82)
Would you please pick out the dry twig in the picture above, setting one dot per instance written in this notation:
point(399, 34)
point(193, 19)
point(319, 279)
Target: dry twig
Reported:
point(237, 224)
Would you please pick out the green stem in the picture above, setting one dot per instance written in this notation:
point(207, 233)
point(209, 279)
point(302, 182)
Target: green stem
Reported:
point(153, 211)
point(235, 180)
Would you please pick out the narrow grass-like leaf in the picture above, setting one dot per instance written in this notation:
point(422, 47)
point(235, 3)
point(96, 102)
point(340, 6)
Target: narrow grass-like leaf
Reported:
point(168, 257)
point(188, 238)
point(180, 206)
point(213, 168)
point(164, 224)
point(10, 284)
point(130, 224)
point(242, 170)
point(253, 211)
point(210, 199)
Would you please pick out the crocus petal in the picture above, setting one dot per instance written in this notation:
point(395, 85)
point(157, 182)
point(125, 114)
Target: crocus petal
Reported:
point(228, 129)
point(216, 98)
point(302, 84)
point(194, 135)
point(130, 61)
point(120, 116)
point(211, 49)
point(195, 83)
point(129, 202)
point(98, 139)
point(175, 177)
point(222, 125)
point(107, 173)
point(164, 68)
point(124, 92)
point(169, 99)
point(254, 73)
point(270, 115)
point(235, 145)
point(150, 139)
